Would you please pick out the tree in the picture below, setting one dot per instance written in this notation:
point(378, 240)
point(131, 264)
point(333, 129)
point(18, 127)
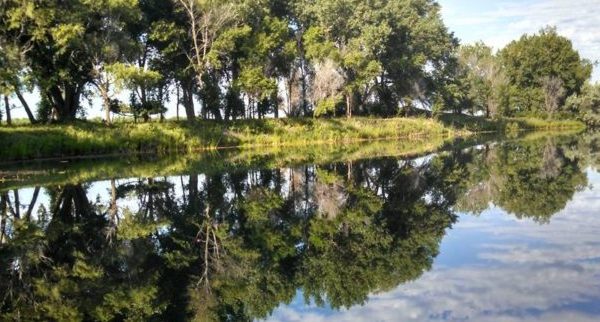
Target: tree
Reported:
point(207, 19)
point(486, 78)
point(268, 53)
point(59, 42)
point(326, 88)
point(418, 56)
point(7, 109)
point(341, 34)
point(53, 34)
point(533, 58)
point(113, 44)
point(389, 52)
point(13, 76)
point(140, 81)
point(586, 104)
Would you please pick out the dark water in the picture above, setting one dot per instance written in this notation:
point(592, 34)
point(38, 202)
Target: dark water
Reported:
point(503, 230)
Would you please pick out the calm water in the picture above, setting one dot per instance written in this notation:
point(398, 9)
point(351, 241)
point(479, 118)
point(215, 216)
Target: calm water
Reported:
point(502, 230)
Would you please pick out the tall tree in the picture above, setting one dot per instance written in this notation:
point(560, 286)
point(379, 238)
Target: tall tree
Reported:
point(206, 20)
point(487, 81)
point(533, 58)
point(113, 44)
point(57, 39)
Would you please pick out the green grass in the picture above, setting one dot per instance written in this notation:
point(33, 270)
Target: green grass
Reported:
point(480, 124)
point(89, 139)
point(30, 174)
point(82, 139)
point(20, 175)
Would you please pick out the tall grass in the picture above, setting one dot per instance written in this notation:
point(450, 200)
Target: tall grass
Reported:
point(28, 174)
point(86, 138)
point(93, 138)
point(20, 175)
point(480, 124)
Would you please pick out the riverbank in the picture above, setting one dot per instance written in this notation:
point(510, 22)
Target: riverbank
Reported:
point(92, 139)
point(476, 124)
point(74, 171)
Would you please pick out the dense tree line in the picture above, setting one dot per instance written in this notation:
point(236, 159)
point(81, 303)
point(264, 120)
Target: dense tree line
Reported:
point(238, 58)
point(253, 58)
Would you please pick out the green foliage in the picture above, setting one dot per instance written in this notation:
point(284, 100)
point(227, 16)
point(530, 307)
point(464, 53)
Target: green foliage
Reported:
point(586, 104)
point(481, 124)
point(59, 42)
point(530, 179)
point(366, 40)
point(486, 80)
point(131, 77)
point(327, 105)
point(390, 58)
point(533, 57)
point(512, 127)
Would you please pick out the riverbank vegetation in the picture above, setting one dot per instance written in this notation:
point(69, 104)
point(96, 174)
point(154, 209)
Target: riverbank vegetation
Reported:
point(58, 172)
point(82, 139)
point(226, 61)
point(210, 162)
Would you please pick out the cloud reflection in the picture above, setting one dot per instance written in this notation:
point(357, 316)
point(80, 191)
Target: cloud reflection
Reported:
point(522, 272)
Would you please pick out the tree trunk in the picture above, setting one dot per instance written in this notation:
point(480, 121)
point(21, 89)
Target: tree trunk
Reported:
point(289, 96)
point(17, 204)
point(178, 101)
point(66, 106)
point(303, 70)
point(106, 102)
point(4, 215)
point(7, 107)
point(349, 173)
point(26, 107)
point(188, 100)
point(194, 201)
point(113, 201)
point(349, 105)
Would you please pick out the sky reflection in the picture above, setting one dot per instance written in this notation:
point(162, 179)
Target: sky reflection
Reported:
point(495, 267)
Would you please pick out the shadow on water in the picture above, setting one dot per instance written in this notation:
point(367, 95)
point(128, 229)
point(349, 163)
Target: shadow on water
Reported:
point(234, 236)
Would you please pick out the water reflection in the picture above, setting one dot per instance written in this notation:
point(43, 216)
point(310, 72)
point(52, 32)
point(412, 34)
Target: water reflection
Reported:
point(297, 242)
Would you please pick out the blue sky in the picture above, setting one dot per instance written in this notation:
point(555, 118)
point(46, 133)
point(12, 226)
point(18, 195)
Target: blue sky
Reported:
point(497, 22)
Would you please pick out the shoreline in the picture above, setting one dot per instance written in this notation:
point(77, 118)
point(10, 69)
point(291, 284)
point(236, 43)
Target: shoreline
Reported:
point(59, 172)
point(86, 140)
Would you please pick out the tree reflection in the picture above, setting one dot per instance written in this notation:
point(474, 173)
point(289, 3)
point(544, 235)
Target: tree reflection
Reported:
point(234, 246)
point(530, 179)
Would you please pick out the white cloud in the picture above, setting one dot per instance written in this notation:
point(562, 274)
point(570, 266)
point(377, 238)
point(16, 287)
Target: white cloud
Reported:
point(524, 272)
point(503, 21)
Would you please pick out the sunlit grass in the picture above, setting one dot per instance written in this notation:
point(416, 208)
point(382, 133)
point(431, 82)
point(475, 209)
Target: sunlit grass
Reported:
point(87, 138)
point(480, 124)
point(208, 162)
point(20, 175)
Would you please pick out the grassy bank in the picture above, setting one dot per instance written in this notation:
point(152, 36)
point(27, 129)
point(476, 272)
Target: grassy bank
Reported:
point(81, 139)
point(29, 174)
point(92, 139)
point(480, 124)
